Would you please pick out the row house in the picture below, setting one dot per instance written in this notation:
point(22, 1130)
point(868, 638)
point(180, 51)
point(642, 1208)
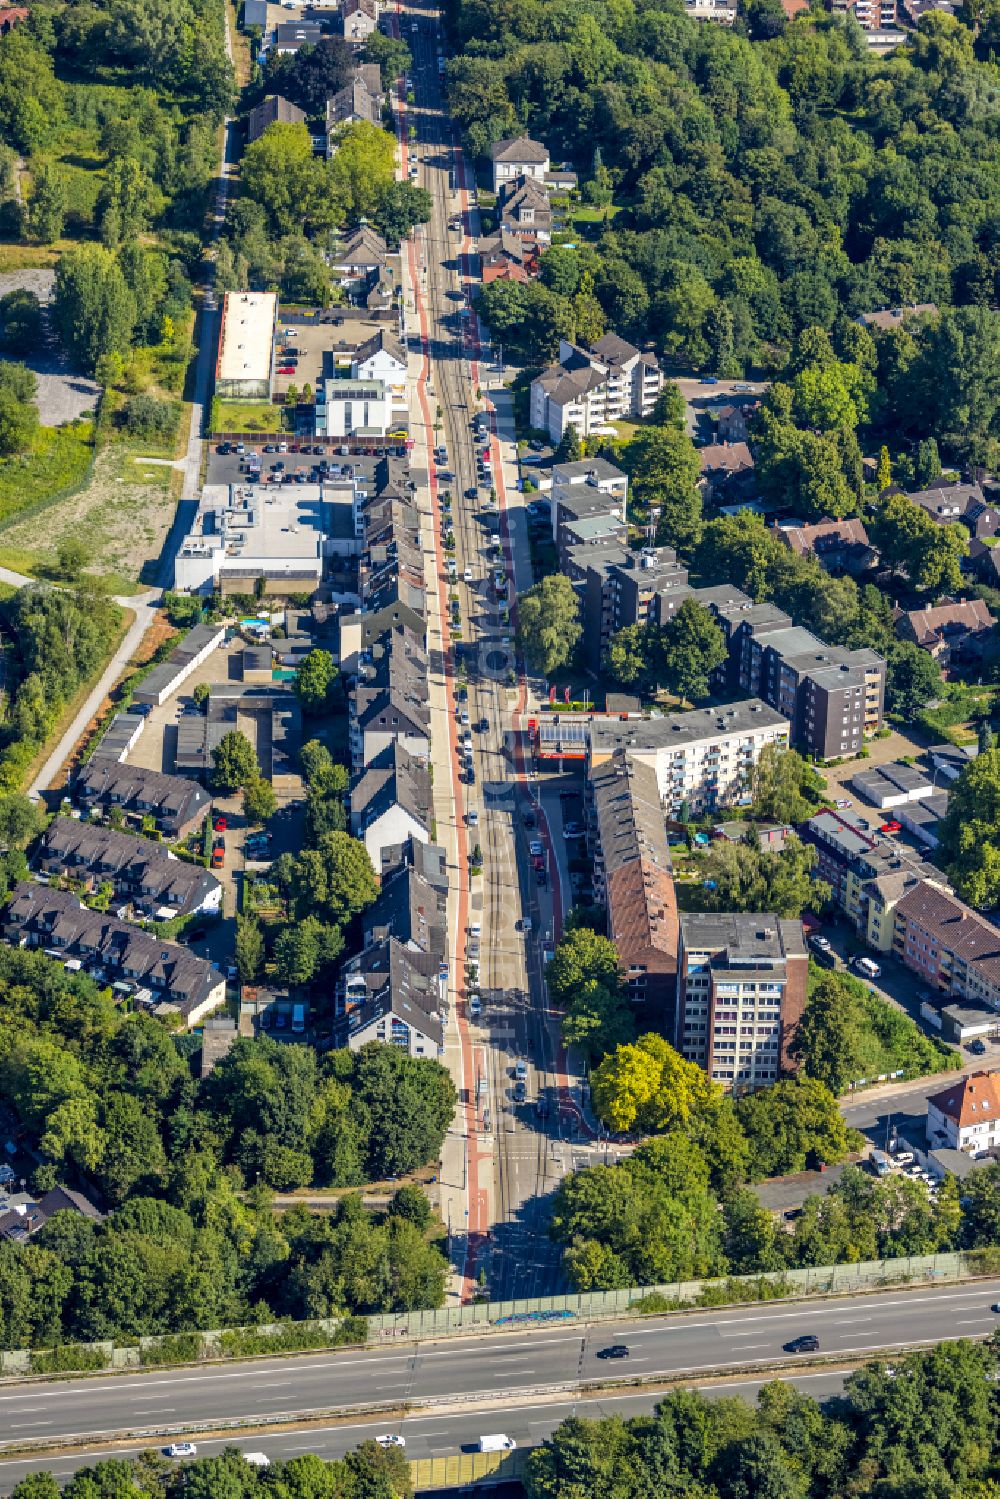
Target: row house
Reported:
point(142, 873)
point(177, 806)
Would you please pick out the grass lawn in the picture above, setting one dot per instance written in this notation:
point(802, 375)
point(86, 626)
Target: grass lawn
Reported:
point(59, 460)
point(244, 416)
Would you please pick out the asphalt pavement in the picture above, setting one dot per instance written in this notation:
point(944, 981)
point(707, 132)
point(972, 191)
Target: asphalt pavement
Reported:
point(425, 1435)
point(490, 1366)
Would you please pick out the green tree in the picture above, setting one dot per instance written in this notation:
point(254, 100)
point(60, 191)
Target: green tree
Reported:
point(785, 787)
point(597, 1021)
point(314, 681)
point(21, 321)
point(235, 762)
point(249, 949)
point(21, 820)
point(691, 647)
point(913, 678)
point(649, 1085)
point(664, 469)
point(790, 1123)
point(92, 307)
point(581, 957)
point(548, 623)
point(884, 477)
point(45, 212)
point(259, 801)
point(969, 838)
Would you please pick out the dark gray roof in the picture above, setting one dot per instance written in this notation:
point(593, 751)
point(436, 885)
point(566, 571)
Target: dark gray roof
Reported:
point(397, 982)
point(172, 799)
point(743, 937)
point(394, 778)
point(57, 919)
point(137, 867)
point(412, 911)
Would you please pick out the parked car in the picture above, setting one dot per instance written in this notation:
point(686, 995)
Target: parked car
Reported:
point(819, 943)
point(892, 826)
point(220, 823)
point(977, 1047)
point(535, 848)
point(520, 1092)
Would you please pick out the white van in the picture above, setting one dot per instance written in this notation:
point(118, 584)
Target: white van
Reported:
point(868, 968)
point(498, 1442)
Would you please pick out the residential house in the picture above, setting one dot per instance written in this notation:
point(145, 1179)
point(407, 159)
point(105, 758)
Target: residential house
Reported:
point(589, 389)
point(390, 993)
point(360, 259)
point(427, 860)
point(949, 760)
point(741, 991)
point(410, 909)
point(620, 591)
point(354, 104)
point(525, 210)
point(964, 503)
point(18, 1223)
point(507, 257)
point(886, 319)
point(161, 976)
point(633, 880)
point(587, 504)
point(731, 423)
point(966, 1116)
point(953, 632)
point(358, 19)
point(383, 358)
point(176, 805)
point(839, 546)
point(142, 873)
point(520, 157)
point(291, 36)
point(273, 111)
point(391, 801)
point(361, 632)
point(390, 703)
point(723, 466)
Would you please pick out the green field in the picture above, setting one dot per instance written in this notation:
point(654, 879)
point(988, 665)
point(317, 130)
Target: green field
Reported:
point(244, 416)
point(59, 460)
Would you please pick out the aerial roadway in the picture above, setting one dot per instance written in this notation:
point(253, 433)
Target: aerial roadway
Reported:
point(517, 1107)
point(497, 1371)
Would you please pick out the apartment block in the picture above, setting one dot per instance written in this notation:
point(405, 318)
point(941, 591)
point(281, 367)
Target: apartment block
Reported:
point(833, 697)
point(950, 947)
point(705, 758)
point(741, 990)
point(633, 880)
point(590, 388)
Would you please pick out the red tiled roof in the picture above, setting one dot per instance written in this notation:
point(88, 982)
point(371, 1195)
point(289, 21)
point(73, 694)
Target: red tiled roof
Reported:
point(971, 1100)
point(642, 912)
point(955, 926)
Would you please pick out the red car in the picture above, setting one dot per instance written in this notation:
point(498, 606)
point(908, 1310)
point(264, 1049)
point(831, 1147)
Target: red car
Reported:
point(218, 858)
point(219, 823)
point(892, 826)
point(286, 369)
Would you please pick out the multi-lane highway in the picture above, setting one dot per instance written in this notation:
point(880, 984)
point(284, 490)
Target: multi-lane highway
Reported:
point(512, 1136)
point(481, 1369)
point(426, 1434)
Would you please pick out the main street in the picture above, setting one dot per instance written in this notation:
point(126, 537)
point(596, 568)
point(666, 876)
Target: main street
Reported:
point(487, 1375)
point(512, 1139)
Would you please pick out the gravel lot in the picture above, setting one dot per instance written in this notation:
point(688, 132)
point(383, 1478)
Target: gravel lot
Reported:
point(62, 393)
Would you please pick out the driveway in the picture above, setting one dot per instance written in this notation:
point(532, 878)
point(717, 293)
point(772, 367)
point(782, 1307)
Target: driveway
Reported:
point(702, 400)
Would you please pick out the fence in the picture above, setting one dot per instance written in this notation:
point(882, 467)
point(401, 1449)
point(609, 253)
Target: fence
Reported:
point(463, 1468)
point(591, 1306)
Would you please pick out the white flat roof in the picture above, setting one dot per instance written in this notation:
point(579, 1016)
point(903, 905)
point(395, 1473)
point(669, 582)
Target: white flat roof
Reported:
point(247, 335)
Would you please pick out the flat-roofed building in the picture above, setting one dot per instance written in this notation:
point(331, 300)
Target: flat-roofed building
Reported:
point(245, 362)
point(704, 758)
point(741, 990)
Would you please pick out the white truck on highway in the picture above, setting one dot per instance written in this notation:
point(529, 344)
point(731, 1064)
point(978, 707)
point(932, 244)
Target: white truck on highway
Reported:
point(498, 1442)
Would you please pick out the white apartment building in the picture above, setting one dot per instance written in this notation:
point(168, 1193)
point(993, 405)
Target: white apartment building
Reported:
point(705, 758)
point(590, 388)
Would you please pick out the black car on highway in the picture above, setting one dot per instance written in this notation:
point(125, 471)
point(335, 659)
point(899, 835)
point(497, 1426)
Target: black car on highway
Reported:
point(808, 1343)
point(616, 1350)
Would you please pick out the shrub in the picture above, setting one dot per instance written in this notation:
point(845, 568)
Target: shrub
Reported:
point(147, 416)
point(68, 1358)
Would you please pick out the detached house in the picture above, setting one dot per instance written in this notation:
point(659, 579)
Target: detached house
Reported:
point(273, 111)
point(525, 210)
point(392, 994)
point(966, 1116)
point(839, 546)
point(957, 631)
point(521, 157)
point(964, 503)
point(354, 103)
point(358, 19)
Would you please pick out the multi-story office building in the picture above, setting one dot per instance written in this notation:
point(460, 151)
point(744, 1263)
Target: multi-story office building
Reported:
point(704, 758)
point(741, 990)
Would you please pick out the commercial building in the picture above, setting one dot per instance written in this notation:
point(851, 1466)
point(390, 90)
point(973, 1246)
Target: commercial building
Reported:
point(143, 874)
point(161, 976)
point(590, 389)
point(272, 706)
point(705, 758)
point(352, 408)
point(741, 990)
point(281, 533)
point(165, 679)
point(966, 1116)
point(633, 880)
point(245, 362)
point(175, 804)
